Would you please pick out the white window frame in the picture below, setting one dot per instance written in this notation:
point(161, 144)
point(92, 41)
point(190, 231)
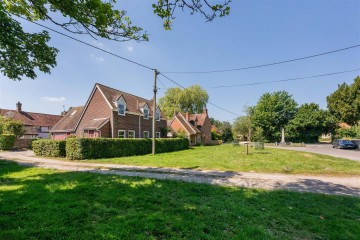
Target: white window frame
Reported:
point(148, 112)
point(158, 135)
point(124, 131)
point(131, 131)
point(148, 135)
point(122, 102)
point(157, 115)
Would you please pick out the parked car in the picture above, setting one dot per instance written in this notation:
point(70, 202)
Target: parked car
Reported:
point(344, 144)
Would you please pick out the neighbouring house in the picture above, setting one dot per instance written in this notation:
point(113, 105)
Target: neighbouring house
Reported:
point(66, 126)
point(111, 113)
point(37, 125)
point(197, 127)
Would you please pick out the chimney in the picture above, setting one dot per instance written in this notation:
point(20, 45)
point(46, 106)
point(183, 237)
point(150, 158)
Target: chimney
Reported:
point(187, 116)
point(63, 113)
point(18, 106)
point(205, 111)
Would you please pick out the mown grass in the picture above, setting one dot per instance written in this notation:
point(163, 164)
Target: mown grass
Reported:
point(46, 204)
point(230, 158)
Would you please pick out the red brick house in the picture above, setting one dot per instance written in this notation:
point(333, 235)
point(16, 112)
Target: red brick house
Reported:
point(37, 125)
point(111, 113)
point(197, 127)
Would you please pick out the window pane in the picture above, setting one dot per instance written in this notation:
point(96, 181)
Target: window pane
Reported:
point(121, 134)
point(131, 134)
point(146, 113)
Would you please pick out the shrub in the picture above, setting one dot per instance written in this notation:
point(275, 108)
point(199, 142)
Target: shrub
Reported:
point(94, 148)
point(7, 141)
point(49, 148)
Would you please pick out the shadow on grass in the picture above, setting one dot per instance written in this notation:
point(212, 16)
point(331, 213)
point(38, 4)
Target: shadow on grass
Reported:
point(44, 204)
point(317, 186)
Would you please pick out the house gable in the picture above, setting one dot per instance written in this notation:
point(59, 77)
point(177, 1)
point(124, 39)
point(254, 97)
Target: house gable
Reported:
point(96, 107)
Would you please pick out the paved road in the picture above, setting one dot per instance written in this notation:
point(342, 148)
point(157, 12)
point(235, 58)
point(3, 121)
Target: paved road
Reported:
point(327, 149)
point(349, 186)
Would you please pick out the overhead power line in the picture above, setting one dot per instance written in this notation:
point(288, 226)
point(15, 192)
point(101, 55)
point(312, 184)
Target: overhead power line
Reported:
point(221, 108)
point(88, 44)
point(285, 80)
point(263, 65)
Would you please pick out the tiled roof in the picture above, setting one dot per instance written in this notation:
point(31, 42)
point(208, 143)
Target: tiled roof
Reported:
point(68, 122)
point(133, 103)
point(190, 128)
point(200, 118)
point(96, 123)
point(32, 119)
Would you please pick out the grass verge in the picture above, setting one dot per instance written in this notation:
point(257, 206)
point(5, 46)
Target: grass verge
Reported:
point(48, 204)
point(229, 158)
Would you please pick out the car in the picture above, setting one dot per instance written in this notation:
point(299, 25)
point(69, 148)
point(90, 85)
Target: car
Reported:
point(344, 144)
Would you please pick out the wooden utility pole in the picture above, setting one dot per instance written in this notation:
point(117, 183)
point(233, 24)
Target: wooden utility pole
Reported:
point(154, 114)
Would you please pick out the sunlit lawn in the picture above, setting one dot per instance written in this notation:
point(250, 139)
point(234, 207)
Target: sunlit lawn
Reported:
point(234, 158)
point(47, 204)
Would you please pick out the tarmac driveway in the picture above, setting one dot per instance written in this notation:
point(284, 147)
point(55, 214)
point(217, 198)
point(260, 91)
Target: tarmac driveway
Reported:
point(327, 149)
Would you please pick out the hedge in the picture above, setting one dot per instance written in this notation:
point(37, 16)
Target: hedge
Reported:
point(49, 148)
point(94, 148)
point(7, 141)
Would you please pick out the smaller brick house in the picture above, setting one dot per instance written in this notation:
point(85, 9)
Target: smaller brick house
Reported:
point(66, 126)
point(197, 127)
point(37, 125)
point(111, 113)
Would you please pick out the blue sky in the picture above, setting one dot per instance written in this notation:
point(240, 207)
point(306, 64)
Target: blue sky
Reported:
point(256, 32)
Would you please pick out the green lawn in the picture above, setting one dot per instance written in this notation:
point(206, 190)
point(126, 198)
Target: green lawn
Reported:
point(233, 158)
point(47, 204)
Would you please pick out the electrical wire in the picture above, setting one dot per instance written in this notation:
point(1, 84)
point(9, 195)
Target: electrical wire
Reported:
point(263, 65)
point(213, 104)
point(88, 44)
point(285, 80)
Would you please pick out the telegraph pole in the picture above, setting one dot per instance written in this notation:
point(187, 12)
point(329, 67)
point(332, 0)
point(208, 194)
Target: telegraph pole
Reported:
point(154, 113)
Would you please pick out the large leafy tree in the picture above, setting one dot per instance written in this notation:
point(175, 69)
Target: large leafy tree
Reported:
point(272, 112)
point(344, 103)
point(309, 123)
point(22, 53)
point(192, 99)
point(10, 126)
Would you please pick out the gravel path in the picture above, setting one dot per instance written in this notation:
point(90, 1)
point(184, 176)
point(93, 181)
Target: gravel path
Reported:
point(318, 184)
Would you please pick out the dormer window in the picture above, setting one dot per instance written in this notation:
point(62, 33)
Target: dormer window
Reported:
point(121, 107)
point(146, 113)
point(157, 115)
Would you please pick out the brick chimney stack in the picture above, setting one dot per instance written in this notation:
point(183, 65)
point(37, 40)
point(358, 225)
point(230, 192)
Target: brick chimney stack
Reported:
point(187, 116)
point(205, 111)
point(18, 106)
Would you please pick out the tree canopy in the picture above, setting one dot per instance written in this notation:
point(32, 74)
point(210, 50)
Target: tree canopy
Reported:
point(22, 53)
point(272, 112)
point(344, 103)
point(309, 123)
point(192, 99)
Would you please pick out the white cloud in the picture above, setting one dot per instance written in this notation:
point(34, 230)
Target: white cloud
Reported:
point(130, 49)
point(98, 44)
point(54, 99)
point(97, 58)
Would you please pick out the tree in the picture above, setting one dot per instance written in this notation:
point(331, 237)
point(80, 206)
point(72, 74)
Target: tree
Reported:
point(344, 103)
point(242, 126)
point(309, 123)
point(226, 132)
point(272, 112)
point(10, 126)
point(21, 53)
point(192, 99)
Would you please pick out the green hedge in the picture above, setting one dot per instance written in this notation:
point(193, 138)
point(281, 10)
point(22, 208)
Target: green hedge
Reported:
point(49, 148)
point(7, 141)
point(94, 148)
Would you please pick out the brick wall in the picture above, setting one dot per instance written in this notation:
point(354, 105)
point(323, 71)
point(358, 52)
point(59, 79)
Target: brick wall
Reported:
point(206, 131)
point(97, 108)
point(132, 122)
